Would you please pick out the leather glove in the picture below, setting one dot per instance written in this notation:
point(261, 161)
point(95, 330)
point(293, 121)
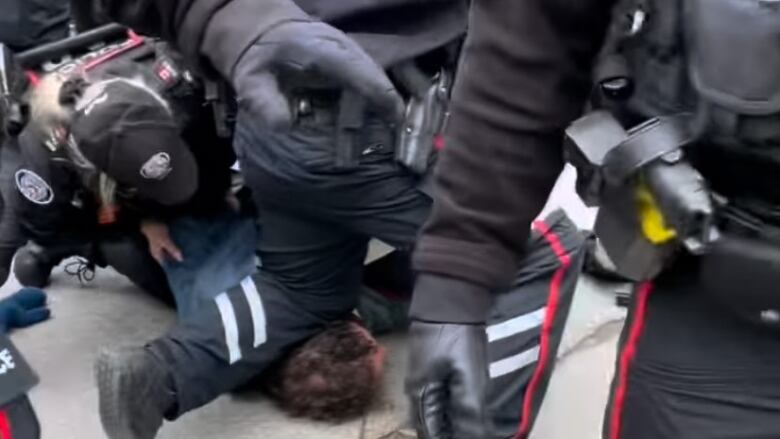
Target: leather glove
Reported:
point(447, 378)
point(298, 47)
point(22, 309)
point(255, 44)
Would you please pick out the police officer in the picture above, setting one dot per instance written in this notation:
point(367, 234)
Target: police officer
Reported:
point(112, 143)
point(688, 366)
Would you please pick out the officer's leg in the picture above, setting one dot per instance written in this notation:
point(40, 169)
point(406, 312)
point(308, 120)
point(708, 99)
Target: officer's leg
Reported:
point(526, 324)
point(372, 195)
point(688, 368)
point(129, 255)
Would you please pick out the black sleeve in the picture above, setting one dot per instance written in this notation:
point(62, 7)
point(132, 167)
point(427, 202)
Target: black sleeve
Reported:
point(12, 236)
point(524, 76)
point(216, 31)
point(28, 23)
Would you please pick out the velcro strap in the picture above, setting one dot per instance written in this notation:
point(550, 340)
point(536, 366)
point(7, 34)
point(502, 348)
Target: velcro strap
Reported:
point(646, 143)
point(352, 113)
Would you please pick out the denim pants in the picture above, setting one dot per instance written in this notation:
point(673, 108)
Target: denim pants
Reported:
point(219, 252)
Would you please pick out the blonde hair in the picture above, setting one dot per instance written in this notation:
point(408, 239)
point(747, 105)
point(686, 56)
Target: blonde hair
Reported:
point(46, 110)
point(106, 189)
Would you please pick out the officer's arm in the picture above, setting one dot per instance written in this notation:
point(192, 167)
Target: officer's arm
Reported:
point(524, 77)
point(215, 30)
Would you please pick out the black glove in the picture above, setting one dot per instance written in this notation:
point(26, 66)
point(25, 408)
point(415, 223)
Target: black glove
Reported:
point(254, 44)
point(447, 377)
point(447, 380)
point(22, 309)
point(297, 47)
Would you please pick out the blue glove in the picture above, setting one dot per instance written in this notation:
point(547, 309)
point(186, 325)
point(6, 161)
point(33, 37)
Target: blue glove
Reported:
point(24, 308)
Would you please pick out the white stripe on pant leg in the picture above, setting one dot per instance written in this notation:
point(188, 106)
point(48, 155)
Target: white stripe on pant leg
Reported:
point(231, 326)
point(516, 325)
point(513, 363)
point(256, 308)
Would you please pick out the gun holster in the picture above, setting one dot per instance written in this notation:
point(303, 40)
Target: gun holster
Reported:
point(652, 200)
point(425, 116)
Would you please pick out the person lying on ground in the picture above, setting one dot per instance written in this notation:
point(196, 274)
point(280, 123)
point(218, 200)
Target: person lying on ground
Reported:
point(235, 336)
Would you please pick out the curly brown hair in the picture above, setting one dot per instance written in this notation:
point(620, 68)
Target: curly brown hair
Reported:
point(329, 377)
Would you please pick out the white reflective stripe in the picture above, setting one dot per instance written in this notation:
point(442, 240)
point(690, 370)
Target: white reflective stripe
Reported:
point(231, 326)
point(516, 325)
point(256, 308)
point(513, 363)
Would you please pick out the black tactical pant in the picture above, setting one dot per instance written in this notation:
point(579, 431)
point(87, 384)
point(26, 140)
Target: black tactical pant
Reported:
point(689, 368)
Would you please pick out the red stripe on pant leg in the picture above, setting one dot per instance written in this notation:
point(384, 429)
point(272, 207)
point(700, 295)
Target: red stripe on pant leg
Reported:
point(5, 426)
point(33, 78)
point(553, 303)
point(627, 357)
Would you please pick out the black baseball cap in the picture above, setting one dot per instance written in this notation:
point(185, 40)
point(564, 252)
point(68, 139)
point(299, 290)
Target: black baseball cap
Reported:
point(128, 132)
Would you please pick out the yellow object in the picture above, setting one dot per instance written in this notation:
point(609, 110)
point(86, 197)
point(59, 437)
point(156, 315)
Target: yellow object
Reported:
point(651, 218)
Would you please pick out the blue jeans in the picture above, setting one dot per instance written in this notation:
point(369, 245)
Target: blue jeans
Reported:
point(219, 252)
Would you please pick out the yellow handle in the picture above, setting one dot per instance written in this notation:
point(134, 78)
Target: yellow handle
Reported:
point(651, 218)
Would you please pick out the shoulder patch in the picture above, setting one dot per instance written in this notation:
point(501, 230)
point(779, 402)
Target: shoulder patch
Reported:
point(33, 187)
point(157, 167)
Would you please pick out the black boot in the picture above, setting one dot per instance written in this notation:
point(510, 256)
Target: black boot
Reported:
point(135, 392)
point(33, 265)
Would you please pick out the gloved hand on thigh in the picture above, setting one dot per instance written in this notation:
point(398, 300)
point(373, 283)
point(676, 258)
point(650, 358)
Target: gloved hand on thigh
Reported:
point(287, 41)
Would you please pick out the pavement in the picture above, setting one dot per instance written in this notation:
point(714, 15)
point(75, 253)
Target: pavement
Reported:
point(110, 311)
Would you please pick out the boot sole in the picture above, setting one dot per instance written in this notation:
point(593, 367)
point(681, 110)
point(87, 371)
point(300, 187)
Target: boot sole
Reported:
point(110, 367)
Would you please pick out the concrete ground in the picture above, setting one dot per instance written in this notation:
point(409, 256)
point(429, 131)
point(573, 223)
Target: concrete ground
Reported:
point(111, 312)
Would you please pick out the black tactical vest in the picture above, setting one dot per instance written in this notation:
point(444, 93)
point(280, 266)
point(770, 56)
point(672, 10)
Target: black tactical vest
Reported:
point(716, 61)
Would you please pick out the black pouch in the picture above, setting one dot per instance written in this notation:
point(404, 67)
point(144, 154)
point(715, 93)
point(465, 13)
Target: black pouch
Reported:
point(743, 274)
point(734, 65)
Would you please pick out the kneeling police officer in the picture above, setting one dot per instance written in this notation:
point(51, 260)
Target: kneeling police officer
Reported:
point(116, 138)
